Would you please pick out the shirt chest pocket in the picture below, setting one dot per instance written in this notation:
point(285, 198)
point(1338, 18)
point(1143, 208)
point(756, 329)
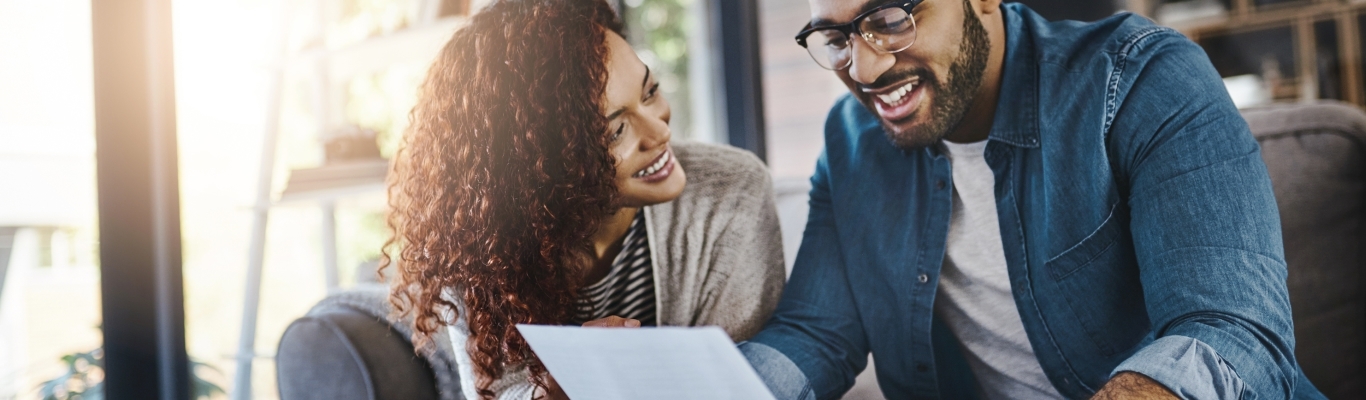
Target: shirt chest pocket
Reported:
point(1090, 249)
point(1099, 284)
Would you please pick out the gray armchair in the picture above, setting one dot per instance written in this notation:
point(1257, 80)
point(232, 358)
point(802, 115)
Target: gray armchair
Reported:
point(346, 348)
point(1316, 155)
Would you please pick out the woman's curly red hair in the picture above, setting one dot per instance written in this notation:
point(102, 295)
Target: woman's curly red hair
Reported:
point(503, 177)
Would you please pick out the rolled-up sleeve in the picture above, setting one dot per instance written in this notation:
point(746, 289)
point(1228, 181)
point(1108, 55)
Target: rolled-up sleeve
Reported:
point(780, 374)
point(1188, 367)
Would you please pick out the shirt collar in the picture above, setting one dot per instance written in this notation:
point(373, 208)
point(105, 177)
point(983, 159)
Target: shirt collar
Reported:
point(1016, 121)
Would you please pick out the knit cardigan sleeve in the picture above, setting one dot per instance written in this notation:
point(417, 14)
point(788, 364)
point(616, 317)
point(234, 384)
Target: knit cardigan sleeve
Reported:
point(718, 247)
point(746, 259)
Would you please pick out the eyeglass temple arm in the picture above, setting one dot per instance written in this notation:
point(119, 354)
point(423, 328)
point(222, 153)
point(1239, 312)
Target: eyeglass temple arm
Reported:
point(801, 35)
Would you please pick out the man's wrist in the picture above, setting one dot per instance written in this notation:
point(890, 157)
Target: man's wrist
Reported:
point(1133, 385)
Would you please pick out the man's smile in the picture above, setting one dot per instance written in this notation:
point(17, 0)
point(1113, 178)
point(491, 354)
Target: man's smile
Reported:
point(898, 101)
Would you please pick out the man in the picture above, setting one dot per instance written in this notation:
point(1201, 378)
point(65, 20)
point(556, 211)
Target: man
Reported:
point(1012, 208)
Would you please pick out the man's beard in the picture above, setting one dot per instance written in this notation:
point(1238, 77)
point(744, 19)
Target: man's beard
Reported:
point(951, 100)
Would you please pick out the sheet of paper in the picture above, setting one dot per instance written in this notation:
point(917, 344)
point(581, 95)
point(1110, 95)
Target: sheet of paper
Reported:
point(645, 363)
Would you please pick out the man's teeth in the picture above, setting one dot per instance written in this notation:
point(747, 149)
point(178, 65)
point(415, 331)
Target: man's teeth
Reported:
point(896, 96)
point(658, 165)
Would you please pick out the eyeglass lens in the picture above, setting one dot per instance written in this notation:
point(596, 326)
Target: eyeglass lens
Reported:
point(888, 31)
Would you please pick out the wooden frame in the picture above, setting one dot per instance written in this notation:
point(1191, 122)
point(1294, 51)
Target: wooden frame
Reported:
point(141, 289)
point(1245, 16)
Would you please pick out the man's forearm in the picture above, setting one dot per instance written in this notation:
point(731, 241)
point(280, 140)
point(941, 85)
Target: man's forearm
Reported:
point(1133, 385)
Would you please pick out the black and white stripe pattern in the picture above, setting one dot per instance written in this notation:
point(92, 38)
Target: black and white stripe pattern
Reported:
point(628, 290)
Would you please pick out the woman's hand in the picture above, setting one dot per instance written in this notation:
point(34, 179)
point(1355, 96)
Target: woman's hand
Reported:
point(612, 322)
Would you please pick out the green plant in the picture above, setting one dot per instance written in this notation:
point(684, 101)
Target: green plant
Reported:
point(659, 30)
point(84, 379)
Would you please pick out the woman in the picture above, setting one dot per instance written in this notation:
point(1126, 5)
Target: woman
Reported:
point(538, 185)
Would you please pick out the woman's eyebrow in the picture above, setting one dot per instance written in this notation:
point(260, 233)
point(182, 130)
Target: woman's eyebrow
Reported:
point(616, 113)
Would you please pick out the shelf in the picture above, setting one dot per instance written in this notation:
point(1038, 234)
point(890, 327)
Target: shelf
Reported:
point(416, 45)
point(330, 182)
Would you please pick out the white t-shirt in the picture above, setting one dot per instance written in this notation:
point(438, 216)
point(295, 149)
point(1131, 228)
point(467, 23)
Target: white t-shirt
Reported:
point(974, 296)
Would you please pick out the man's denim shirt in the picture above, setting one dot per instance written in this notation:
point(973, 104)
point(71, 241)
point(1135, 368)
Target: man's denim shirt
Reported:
point(1133, 204)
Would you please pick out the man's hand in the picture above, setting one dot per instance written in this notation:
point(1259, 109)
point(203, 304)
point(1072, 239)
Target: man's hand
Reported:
point(612, 322)
point(1133, 385)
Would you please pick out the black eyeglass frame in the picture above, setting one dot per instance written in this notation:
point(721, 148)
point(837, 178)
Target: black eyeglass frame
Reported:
point(851, 29)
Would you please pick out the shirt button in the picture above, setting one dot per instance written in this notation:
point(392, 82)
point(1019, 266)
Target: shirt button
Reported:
point(923, 278)
point(922, 368)
point(939, 184)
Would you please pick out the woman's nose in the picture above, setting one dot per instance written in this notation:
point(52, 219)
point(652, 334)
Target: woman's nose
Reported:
point(657, 133)
point(656, 128)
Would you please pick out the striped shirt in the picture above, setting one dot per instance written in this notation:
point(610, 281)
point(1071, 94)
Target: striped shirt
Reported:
point(628, 290)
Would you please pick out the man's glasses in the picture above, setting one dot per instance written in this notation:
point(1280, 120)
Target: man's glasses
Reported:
point(887, 29)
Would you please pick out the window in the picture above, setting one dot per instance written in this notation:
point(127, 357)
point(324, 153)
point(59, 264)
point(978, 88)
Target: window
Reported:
point(798, 93)
point(49, 272)
point(665, 36)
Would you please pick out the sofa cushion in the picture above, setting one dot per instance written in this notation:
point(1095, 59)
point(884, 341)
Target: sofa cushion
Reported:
point(1316, 156)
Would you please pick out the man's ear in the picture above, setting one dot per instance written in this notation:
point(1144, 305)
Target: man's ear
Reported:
point(987, 6)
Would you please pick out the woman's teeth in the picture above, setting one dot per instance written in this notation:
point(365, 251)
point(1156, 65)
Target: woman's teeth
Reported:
point(653, 168)
point(896, 96)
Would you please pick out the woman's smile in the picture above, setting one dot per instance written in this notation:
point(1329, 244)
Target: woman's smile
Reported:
point(658, 170)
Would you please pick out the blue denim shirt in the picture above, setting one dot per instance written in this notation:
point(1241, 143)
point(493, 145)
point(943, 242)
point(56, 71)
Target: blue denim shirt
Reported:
point(1135, 211)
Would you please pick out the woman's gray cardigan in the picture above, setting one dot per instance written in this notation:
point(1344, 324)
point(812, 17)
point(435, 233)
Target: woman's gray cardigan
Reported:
point(716, 249)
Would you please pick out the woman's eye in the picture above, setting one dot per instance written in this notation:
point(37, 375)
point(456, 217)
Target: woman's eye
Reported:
point(654, 89)
point(617, 134)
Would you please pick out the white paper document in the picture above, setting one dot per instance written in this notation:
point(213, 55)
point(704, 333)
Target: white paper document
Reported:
point(645, 363)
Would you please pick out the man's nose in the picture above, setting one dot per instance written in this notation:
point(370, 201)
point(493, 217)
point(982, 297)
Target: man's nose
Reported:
point(868, 63)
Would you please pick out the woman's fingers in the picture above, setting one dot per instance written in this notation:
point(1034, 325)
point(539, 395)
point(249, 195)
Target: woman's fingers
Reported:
point(613, 322)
